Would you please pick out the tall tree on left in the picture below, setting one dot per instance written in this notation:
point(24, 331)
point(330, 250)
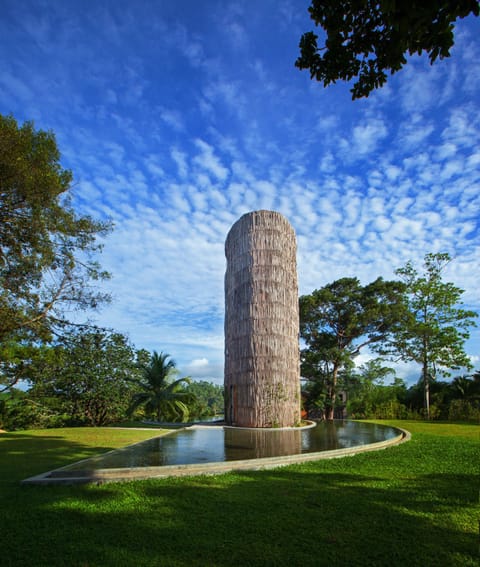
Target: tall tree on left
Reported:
point(46, 250)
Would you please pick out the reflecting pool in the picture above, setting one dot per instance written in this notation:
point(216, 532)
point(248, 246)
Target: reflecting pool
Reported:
point(211, 444)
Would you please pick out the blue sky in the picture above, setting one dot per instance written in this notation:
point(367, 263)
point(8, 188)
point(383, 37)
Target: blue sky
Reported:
point(178, 117)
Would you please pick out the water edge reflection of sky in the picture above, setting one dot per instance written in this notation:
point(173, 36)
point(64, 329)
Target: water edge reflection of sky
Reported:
point(218, 444)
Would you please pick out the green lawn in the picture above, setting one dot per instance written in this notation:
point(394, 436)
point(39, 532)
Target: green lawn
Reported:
point(414, 504)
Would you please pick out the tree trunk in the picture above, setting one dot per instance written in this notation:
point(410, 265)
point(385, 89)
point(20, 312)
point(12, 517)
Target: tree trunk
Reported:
point(427, 395)
point(332, 395)
point(426, 379)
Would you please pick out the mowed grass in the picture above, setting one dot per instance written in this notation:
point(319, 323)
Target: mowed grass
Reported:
point(414, 504)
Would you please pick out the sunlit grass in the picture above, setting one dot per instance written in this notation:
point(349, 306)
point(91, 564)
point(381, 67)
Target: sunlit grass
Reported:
point(414, 504)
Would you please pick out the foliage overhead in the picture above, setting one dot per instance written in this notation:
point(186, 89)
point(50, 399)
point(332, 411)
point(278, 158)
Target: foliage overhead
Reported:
point(46, 265)
point(366, 39)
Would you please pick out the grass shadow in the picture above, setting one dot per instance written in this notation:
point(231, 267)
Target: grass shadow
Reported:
point(280, 517)
point(409, 505)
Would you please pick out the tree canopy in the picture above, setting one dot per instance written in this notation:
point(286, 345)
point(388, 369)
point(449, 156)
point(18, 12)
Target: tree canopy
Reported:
point(340, 319)
point(366, 39)
point(46, 249)
point(87, 376)
point(435, 333)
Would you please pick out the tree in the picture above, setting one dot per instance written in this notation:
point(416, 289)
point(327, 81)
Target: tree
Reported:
point(466, 387)
point(15, 362)
point(160, 394)
point(435, 333)
point(87, 376)
point(209, 399)
point(46, 249)
point(365, 39)
point(340, 319)
point(465, 398)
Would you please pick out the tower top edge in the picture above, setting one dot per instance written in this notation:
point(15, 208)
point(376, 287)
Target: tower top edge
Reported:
point(263, 219)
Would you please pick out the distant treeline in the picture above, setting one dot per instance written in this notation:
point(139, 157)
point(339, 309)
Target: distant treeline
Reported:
point(363, 394)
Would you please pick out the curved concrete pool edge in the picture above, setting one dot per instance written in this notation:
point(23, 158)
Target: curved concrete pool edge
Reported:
point(101, 476)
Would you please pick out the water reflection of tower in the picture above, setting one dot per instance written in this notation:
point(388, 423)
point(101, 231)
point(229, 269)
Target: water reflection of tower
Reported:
point(260, 443)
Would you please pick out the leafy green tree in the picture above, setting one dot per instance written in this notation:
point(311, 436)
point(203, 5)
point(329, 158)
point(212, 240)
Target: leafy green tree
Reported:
point(465, 398)
point(160, 393)
point(15, 363)
point(367, 39)
point(466, 387)
point(340, 319)
point(87, 376)
point(442, 394)
point(18, 410)
point(209, 398)
point(46, 249)
point(435, 333)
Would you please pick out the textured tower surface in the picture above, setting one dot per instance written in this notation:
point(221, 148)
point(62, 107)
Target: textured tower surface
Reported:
point(262, 366)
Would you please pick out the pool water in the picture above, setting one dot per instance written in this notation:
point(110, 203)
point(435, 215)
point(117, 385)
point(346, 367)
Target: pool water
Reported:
point(211, 444)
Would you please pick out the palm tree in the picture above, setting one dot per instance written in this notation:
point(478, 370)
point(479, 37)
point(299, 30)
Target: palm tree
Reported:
point(160, 394)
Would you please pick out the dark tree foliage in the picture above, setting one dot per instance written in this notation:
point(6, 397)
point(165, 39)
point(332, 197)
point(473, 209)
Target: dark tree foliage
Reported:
point(464, 403)
point(458, 400)
point(366, 39)
point(87, 377)
point(46, 249)
point(15, 363)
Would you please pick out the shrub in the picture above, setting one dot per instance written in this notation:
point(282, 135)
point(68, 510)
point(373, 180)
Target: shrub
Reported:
point(464, 410)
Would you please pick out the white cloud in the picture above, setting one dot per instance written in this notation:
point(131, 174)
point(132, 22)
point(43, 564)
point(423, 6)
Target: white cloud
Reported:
point(204, 369)
point(152, 164)
point(419, 90)
point(180, 159)
point(415, 133)
point(367, 136)
point(173, 118)
point(228, 93)
point(463, 127)
point(382, 223)
point(199, 363)
point(363, 139)
point(208, 161)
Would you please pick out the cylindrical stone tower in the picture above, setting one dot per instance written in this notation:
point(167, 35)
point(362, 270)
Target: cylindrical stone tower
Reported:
point(262, 360)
